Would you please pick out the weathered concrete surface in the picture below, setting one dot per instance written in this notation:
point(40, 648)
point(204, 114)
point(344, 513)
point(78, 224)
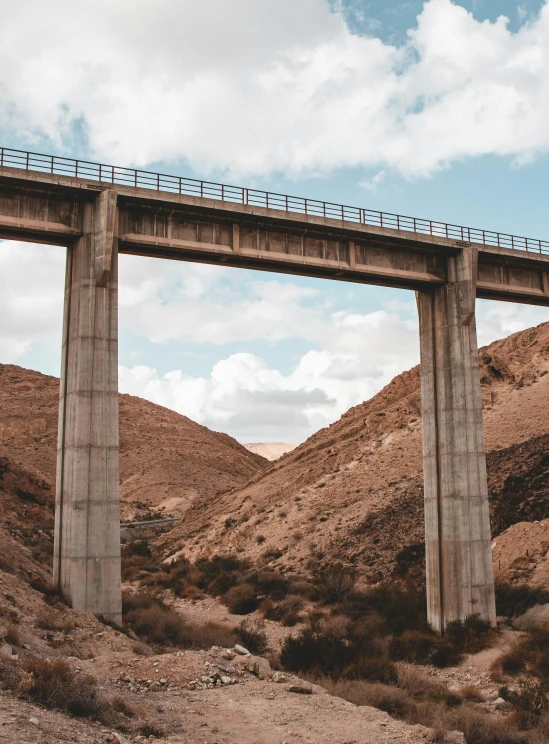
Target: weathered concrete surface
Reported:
point(87, 516)
point(457, 523)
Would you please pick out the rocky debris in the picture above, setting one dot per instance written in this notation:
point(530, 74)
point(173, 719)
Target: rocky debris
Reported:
point(241, 650)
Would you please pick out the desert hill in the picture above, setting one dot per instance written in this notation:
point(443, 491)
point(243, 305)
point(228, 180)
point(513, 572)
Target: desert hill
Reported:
point(166, 460)
point(353, 491)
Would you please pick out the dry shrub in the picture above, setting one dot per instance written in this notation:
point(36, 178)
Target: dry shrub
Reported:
point(515, 599)
point(391, 699)
point(13, 636)
point(151, 730)
point(530, 652)
point(54, 685)
point(50, 619)
point(420, 687)
point(251, 633)
point(470, 635)
point(481, 728)
point(149, 617)
point(420, 707)
point(471, 693)
point(324, 653)
point(334, 581)
point(49, 590)
point(285, 612)
point(13, 678)
point(121, 705)
point(241, 599)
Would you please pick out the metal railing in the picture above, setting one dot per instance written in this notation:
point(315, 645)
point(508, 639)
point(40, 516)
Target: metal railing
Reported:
point(112, 174)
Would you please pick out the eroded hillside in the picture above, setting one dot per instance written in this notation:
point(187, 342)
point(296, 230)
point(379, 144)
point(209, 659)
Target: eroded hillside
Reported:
point(354, 490)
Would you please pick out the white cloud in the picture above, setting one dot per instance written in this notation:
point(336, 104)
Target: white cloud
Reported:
point(31, 298)
point(499, 319)
point(254, 87)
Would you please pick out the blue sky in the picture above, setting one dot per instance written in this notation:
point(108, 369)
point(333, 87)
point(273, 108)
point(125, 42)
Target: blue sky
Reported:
point(435, 109)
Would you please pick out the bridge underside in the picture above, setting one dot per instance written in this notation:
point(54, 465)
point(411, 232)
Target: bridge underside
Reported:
point(97, 221)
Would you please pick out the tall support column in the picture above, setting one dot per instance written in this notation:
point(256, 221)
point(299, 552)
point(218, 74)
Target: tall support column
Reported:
point(87, 512)
point(457, 523)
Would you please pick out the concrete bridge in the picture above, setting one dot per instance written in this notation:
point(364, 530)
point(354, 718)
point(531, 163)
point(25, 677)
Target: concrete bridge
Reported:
point(99, 211)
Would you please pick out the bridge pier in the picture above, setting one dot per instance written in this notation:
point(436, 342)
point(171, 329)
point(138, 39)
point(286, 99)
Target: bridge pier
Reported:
point(457, 523)
point(87, 514)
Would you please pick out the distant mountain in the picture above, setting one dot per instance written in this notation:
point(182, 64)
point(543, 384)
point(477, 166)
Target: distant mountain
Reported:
point(270, 450)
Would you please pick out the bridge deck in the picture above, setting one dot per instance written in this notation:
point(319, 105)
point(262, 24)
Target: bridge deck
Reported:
point(182, 219)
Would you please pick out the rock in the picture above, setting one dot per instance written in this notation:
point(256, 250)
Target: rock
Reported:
point(259, 666)
point(116, 738)
point(155, 687)
point(3, 631)
point(241, 650)
point(228, 654)
point(301, 689)
point(5, 651)
point(536, 615)
point(502, 705)
point(227, 680)
point(455, 737)
point(280, 677)
point(34, 721)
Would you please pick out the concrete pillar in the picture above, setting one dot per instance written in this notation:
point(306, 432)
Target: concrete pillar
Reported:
point(457, 523)
point(87, 512)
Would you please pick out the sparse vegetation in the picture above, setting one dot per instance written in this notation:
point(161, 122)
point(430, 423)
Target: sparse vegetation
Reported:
point(158, 623)
point(514, 599)
point(54, 685)
point(251, 634)
point(530, 653)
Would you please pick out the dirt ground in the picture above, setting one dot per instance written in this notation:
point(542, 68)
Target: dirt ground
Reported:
point(252, 711)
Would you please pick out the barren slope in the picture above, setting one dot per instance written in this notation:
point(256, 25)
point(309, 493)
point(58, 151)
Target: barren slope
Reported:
point(165, 458)
point(354, 489)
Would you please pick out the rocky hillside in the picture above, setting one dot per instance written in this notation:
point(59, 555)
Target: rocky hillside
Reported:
point(166, 460)
point(353, 491)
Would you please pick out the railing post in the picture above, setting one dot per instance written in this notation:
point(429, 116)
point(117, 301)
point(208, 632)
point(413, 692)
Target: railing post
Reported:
point(381, 219)
point(27, 162)
point(306, 212)
point(76, 170)
point(398, 222)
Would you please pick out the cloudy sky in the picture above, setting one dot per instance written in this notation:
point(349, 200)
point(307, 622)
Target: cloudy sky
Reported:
point(430, 108)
